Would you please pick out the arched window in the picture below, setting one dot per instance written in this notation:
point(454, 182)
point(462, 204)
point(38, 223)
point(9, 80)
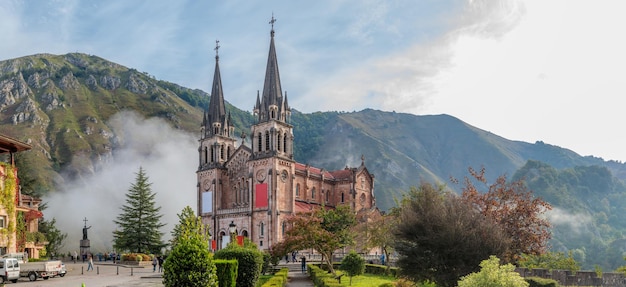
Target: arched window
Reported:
point(228, 153)
point(279, 142)
point(313, 193)
point(342, 197)
point(298, 190)
point(267, 140)
point(212, 155)
point(221, 152)
point(285, 142)
point(259, 142)
point(327, 195)
point(262, 228)
point(206, 154)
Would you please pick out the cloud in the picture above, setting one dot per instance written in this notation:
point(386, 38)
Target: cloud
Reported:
point(576, 222)
point(168, 157)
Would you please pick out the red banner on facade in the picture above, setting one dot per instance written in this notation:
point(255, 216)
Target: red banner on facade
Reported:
point(240, 240)
point(260, 199)
point(213, 245)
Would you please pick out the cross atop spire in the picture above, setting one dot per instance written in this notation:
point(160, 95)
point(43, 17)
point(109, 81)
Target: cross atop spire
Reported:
point(217, 47)
point(272, 23)
point(85, 220)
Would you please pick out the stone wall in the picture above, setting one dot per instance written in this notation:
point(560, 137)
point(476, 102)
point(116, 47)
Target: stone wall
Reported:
point(579, 278)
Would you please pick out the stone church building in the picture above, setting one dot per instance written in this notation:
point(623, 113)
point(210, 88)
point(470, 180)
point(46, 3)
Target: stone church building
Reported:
point(255, 188)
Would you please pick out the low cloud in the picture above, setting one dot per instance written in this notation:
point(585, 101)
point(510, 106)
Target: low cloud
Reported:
point(169, 159)
point(562, 218)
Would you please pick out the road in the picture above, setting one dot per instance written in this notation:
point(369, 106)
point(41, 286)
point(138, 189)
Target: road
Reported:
point(104, 275)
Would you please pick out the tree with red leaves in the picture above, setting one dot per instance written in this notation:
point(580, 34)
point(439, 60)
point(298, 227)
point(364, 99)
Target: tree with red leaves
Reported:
point(323, 230)
point(513, 207)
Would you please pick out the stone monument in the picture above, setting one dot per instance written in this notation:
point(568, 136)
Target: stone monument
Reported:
point(84, 243)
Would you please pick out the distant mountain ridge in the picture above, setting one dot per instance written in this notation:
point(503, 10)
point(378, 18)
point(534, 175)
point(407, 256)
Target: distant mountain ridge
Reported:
point(60, 104)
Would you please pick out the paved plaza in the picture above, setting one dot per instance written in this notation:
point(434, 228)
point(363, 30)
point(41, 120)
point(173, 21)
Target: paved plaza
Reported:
point(103, 275)
point(109, 275)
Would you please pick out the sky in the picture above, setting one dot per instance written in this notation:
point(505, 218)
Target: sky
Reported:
point(526, 70)
point(542, 70)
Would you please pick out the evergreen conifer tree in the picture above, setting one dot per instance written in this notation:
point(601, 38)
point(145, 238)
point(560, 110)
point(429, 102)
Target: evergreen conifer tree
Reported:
point(138, 224)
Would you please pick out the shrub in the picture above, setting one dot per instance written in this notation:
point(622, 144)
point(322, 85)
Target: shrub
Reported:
point(494, 274)
point(136, 257)
point(353, 264)
point(190, 264)
point(226, 272)
point(250, 263)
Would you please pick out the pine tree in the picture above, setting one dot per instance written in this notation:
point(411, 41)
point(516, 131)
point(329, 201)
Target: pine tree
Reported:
point(139, 221)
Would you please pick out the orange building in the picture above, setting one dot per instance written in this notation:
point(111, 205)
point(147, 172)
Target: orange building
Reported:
point(19, 213)
point(255, 188)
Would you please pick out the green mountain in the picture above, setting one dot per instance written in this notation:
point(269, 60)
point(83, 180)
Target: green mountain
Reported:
point(61, 105)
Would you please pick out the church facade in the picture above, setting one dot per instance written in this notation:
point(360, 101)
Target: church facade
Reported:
point(254, 189)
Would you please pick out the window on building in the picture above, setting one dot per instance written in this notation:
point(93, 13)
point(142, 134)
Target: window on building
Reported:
point(342, 197)
point(298, 190)
point(285, 142)
point(212, 155)
point(313, 193)
point(279, 142)
point(261, 243)
point(262, 229)
point(327, 196)
point(267, 140)
point(3, 221)
point(206, 154)
point(222, 152)
point(284, 227)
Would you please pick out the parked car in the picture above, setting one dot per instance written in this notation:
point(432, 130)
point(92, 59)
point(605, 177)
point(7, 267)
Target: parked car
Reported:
point(9, 270)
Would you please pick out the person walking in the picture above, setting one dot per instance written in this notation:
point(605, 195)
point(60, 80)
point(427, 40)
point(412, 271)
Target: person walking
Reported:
point(303, 264)
point(160, 258)
point(155, 261)
point(75, 256)
point(90, 263)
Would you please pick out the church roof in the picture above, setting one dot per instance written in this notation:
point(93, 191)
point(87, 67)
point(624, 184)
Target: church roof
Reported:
point(333, 175)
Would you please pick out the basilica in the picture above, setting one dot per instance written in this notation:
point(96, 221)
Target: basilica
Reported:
point(249, 191)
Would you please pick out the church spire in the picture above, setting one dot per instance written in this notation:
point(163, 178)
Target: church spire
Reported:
point(217, 111)
point(272, 90)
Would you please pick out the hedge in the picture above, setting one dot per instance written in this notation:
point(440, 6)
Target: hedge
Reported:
point(541, 282)
point(322, 278)
point(377, 269)
point(279, 279)
point(226, 272)
point(250, 263)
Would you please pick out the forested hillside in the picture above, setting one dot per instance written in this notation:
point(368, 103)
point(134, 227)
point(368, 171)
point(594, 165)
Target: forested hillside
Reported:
point(589, 208)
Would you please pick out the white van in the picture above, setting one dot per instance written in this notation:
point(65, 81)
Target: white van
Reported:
point(9, 270)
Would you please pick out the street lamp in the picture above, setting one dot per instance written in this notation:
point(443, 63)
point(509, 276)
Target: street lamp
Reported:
point(232, 228)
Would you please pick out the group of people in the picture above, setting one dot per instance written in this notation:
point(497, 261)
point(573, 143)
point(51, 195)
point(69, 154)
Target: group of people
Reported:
point(157, 260)
point(294, 257)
